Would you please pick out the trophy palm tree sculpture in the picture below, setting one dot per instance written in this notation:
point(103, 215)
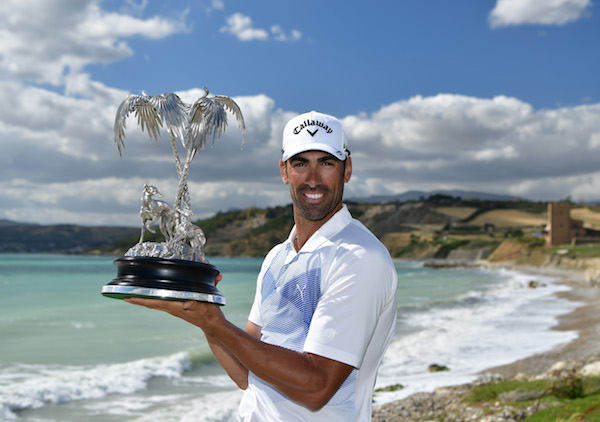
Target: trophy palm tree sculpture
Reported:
point(175, 269)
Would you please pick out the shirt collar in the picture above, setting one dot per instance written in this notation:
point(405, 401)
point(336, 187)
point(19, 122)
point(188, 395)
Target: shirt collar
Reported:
point(333, 226)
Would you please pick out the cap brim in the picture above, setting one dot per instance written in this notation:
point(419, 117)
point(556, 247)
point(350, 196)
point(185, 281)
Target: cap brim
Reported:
point(290, 152)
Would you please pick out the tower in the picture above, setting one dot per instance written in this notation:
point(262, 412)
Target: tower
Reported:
point(559, 220)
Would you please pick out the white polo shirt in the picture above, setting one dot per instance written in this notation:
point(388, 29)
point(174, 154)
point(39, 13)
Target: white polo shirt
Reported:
point(335, 298)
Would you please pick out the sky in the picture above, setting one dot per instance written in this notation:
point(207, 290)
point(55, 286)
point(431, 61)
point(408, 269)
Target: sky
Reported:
point(498, 96)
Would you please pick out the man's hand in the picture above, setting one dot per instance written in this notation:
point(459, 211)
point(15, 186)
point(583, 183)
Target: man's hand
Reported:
point(305, 378)
point(200, 314)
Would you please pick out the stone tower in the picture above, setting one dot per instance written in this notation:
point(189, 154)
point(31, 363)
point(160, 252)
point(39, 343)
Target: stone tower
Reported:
point(559, 220)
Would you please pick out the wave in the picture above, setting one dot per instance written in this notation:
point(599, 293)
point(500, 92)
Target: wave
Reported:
point(475, 330)
point(201, 357)
point(25, 386)
point(218, 406)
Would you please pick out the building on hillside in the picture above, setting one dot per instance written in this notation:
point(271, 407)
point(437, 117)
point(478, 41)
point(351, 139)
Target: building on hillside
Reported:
point(559, 223)
point(562, 229)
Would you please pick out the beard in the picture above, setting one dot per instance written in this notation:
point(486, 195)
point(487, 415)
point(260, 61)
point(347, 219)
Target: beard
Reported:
point(316, 212)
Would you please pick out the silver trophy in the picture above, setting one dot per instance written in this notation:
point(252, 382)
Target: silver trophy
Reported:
point(175, 269)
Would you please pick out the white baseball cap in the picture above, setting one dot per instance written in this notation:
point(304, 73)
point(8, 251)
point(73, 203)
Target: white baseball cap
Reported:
point(314, 131)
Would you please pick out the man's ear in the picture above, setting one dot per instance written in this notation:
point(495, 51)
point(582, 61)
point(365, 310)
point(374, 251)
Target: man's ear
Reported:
point(348, 170)
point(283, 170)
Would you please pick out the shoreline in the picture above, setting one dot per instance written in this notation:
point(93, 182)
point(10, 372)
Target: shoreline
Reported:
point(585, 348)
point(584, 319)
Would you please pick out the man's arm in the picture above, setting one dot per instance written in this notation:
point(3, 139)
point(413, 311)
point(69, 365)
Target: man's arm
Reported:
point(234, 368)
point(305, 378)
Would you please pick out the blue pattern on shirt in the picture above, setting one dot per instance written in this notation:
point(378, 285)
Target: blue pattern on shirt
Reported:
point(289, 296)
point(290, 293)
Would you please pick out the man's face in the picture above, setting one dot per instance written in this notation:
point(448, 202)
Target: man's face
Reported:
point(316, 181)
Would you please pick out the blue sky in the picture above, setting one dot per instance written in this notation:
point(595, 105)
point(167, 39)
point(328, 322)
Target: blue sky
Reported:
point(350, 57)
point(499, 96)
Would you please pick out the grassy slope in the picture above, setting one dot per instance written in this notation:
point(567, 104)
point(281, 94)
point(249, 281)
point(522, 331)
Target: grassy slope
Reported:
point(410, 230)
point(570, 398)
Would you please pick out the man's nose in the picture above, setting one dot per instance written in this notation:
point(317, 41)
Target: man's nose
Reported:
point(313, 178)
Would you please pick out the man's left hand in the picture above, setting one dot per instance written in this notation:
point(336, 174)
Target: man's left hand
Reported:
point(200, 314)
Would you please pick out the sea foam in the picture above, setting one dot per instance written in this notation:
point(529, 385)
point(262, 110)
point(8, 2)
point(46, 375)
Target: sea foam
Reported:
point(24, 386)
point(474, 331)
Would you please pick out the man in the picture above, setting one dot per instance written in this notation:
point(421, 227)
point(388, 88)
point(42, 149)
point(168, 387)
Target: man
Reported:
point(325, 305)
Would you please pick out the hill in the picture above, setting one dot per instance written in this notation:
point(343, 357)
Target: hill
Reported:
point(62, 238)
point(419, 195)
point(412, 229)
point(434, 228)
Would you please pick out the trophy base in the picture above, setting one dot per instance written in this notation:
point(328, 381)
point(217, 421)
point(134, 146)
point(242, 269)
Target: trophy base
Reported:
point(159, 278)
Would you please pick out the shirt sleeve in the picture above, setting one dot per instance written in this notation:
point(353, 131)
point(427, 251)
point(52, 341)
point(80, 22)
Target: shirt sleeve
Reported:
point(254, 315)
point(357, 290)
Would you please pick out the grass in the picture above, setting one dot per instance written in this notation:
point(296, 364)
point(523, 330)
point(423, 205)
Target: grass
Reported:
point(584, 409)
point(575, 252)
point(568, 399)
point(490, 392)
point(394, 387)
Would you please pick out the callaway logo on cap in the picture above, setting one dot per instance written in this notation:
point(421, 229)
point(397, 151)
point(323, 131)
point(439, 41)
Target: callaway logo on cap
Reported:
point(314, 131)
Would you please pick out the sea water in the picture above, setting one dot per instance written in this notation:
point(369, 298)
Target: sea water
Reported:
point(69, 354)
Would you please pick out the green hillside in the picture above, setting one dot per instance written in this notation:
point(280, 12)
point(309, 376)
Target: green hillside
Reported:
point(423, 229)
point(411, 230)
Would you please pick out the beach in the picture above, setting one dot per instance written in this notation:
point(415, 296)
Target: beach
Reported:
point(583, 349)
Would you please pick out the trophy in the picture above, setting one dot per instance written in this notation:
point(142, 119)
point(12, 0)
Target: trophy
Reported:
point(175, 269)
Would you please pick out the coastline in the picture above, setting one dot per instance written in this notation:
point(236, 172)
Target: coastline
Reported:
point(584, 349)
point(585, 319)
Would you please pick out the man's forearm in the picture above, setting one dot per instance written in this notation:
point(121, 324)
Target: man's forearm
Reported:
point(309, 380)
point(234, 368)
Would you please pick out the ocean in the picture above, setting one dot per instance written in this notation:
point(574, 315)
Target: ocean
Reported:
point(69, 354)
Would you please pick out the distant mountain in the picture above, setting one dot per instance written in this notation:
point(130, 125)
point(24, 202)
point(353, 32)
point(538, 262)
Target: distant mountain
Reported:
point(60, 238)
point(418, 195)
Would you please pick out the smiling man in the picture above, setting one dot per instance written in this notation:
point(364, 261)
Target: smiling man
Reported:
point(325, 305)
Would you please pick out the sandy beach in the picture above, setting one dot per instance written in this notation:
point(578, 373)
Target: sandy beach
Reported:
point(585, 319)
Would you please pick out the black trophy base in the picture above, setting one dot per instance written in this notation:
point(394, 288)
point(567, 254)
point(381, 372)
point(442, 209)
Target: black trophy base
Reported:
point(159, 278)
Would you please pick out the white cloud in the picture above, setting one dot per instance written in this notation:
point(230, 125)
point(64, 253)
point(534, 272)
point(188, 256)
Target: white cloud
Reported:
point(485, 144)
point(422, 125)
point(137, 7)
point(279, 34)
point(541, 12)
point(58, 162)
point(594, 141)
point(491, 154)
point(242, 27)
point(218, 4)
point(43, 41)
